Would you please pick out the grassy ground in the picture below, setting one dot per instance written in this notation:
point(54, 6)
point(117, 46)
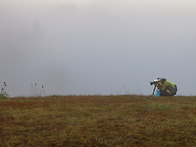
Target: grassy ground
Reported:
point(98, 121)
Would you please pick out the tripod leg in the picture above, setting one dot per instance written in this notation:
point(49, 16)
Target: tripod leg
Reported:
point(153, 90)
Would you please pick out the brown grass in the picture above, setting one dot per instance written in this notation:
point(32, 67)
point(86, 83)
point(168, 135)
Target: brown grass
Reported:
point(98, 121)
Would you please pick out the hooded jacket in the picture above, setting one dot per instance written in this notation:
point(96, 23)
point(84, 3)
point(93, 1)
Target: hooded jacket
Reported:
point(168, 89)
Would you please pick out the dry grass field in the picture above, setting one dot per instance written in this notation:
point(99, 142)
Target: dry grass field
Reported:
point(98, 121)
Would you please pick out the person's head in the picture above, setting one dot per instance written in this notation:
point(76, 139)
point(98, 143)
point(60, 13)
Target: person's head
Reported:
point(160, 81)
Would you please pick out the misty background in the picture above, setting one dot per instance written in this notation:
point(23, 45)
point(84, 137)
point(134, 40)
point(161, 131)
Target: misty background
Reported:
point(93, 47)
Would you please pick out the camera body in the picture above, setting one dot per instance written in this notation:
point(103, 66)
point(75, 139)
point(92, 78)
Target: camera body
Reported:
point(154, 82)
point(157, 80)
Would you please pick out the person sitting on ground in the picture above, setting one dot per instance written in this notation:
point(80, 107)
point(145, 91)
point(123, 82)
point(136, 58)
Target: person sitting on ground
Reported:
point(166, 88)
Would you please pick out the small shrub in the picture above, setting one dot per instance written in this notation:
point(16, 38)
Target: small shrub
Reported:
point(4, 95)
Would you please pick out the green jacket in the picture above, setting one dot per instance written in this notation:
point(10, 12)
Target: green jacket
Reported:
point(168, 88)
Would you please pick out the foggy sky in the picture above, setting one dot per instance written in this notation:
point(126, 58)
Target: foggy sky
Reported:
point(96, 46)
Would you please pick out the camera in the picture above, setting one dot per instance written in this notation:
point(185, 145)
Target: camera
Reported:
point(157, 80)
point(151, 83)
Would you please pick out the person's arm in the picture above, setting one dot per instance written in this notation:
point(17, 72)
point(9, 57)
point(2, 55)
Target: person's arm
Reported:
point(168, 91)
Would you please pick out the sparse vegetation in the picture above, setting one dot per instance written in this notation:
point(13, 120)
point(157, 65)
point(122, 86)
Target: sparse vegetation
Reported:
point(98, 121)
point(3, 95)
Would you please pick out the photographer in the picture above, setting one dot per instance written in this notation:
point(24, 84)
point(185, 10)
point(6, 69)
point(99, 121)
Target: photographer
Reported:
point(165, 87)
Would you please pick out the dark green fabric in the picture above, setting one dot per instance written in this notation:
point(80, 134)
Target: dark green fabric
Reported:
point(168, 89)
